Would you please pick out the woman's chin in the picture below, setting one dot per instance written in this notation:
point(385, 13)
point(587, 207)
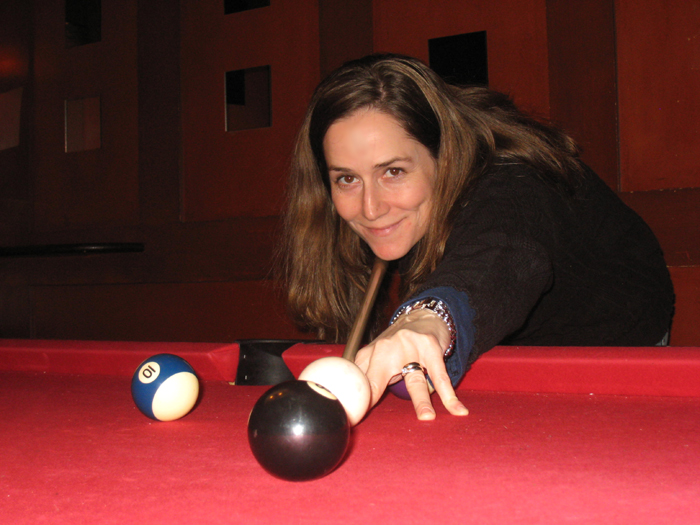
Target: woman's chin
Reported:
point(388, 253)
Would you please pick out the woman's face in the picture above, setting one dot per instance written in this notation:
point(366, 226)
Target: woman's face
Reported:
point(381, 181)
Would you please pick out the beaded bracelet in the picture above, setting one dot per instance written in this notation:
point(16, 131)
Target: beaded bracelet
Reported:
point(438, 307)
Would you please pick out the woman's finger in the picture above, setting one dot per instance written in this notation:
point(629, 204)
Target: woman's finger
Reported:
point(417, 387)
point(443, 386)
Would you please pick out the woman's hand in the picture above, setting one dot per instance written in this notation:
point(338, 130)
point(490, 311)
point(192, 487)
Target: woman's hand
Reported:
point(417, 337)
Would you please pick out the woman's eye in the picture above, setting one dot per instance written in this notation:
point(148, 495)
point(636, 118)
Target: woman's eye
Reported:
point(345, 179)
point(394, 172)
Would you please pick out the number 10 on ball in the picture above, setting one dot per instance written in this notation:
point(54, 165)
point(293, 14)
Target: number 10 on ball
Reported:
point(165, 387)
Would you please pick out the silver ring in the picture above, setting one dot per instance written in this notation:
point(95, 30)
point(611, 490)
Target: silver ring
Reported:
point(412, 367)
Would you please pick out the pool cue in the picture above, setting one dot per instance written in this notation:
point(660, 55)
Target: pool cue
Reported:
point(358, 328)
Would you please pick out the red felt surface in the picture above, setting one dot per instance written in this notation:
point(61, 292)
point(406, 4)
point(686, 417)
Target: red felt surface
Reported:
point(73, 449)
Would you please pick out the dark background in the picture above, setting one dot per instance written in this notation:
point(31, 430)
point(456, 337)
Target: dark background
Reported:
point(622, 77)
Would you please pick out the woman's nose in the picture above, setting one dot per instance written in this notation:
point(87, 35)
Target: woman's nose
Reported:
point(374, 204)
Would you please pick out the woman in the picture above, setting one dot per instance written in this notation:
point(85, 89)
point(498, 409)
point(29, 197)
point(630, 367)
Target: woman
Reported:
point(499, 232)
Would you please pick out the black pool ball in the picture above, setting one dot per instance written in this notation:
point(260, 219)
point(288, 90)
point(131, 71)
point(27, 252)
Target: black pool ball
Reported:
point(298, 431)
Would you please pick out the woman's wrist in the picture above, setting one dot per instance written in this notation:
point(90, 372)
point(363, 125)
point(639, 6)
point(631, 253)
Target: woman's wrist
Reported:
point(433, 307)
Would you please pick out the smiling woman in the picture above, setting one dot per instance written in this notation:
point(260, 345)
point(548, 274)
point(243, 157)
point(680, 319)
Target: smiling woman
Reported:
point(381, 181)
point(499, 232)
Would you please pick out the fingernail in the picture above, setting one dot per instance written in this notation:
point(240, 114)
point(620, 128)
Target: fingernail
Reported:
point(426, 415)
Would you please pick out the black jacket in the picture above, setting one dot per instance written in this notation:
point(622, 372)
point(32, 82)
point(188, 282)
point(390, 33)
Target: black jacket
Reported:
point(543, 267)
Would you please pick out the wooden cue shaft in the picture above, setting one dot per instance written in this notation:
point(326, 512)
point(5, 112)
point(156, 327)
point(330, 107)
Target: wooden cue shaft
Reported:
point(358, 329)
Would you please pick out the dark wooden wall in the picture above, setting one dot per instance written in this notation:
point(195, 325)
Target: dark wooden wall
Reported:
point(621, 76)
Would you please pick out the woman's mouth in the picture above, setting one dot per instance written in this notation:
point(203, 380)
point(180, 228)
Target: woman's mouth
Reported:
point(384, 231)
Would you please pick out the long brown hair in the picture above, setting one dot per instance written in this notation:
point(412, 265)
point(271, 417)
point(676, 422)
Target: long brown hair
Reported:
point(325, 265)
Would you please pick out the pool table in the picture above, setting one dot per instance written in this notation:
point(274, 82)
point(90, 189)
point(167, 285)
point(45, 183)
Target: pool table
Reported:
point(554, 435)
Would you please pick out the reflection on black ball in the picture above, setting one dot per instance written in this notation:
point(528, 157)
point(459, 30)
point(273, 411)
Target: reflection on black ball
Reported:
point(298, 431)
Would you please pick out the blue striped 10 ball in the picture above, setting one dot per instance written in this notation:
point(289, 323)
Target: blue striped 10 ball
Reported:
point(165, 387)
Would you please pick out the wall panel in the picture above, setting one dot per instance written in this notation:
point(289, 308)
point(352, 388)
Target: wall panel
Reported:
point(101, 185)
point(216, 312)
point(236, 250)
point(658, 62)
point(159, 111)
point(346, 32)
point(658, 45)
point(16, 44)
point(516, 35)
point(686, 281)
point(583, 79)
point(674, 216)
point(232, 174)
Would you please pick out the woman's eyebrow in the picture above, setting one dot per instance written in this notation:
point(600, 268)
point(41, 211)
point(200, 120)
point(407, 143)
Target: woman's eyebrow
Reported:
point(392, 160)
point(338, 168)
point(376, 166)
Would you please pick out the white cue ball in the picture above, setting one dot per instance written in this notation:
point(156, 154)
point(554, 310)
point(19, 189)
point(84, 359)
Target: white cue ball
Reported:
point(345, 381)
